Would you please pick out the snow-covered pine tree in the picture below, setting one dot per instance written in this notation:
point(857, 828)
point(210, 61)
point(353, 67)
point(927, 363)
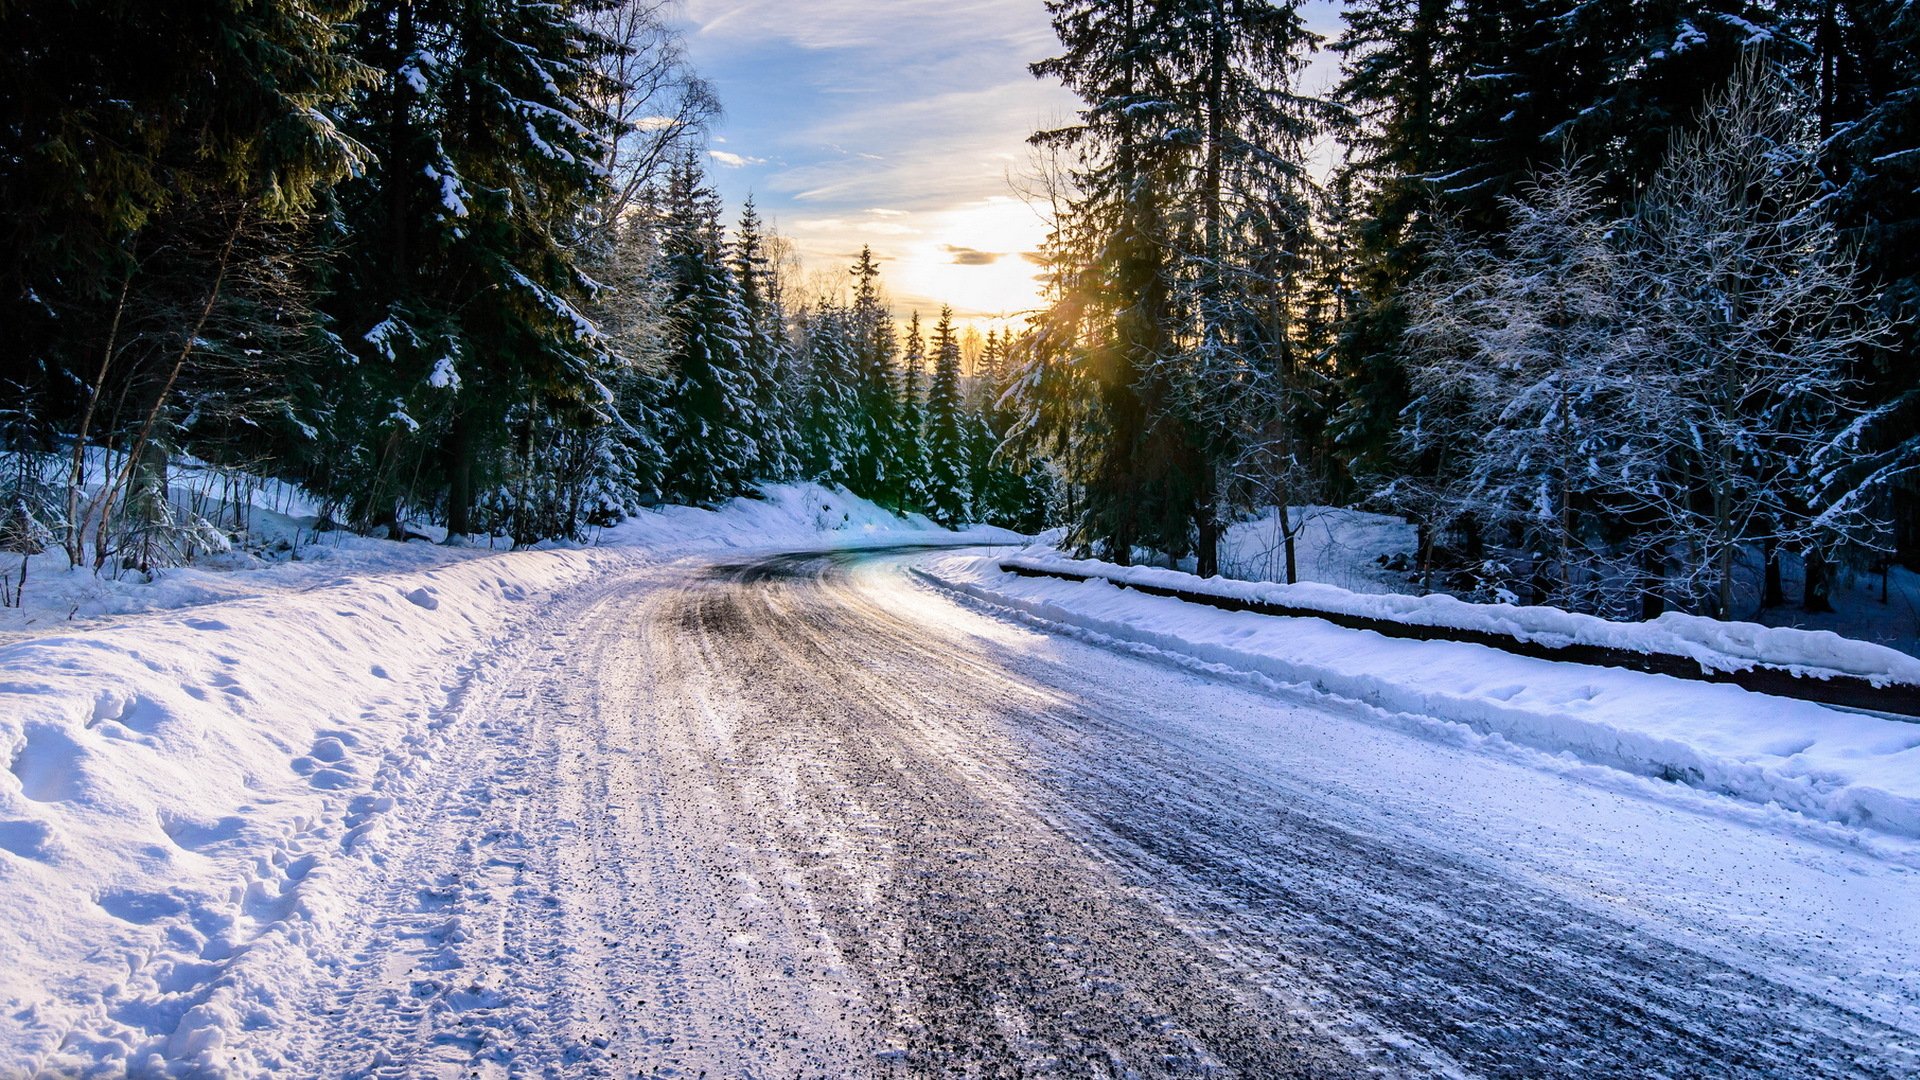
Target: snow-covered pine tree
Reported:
point(1240, 224)
point(995, 487)
point(767, 348)
point(911, 439)
point(830, 373)
point(457, 289)
point(631, 306)
point(711, 411)
point(949, 495)
point(1864, 74)
point(877, 470)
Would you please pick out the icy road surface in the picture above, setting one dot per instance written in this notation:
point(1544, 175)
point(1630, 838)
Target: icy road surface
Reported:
point(807, 817)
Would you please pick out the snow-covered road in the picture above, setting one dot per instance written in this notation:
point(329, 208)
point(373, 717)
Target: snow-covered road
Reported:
point(805, 816)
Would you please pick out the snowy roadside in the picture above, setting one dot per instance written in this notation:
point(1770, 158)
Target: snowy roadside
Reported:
point(1822, 763)
point(182, 787)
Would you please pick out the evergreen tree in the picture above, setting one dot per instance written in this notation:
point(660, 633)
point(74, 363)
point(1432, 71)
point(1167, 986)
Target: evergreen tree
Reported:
point(911, 445)
point(457, 292)
point(1109, 322)
point(998, 492)
point(878, 472)
point(155, 202)
point(1173, 265)
point(830, 423)
point(766, 352)
point(712, 414)
point(949, 499)
point(1863, 72)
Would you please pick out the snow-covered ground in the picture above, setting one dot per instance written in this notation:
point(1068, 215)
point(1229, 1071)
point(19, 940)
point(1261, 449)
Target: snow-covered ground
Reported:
point(1354, 550)
point(1332, 546)
point(179, 763)
point(1713, 644)
point(1806, 759)
point(328, 815)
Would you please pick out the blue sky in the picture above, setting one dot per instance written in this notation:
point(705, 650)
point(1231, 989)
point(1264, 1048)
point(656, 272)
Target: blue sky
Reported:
point(895, 124)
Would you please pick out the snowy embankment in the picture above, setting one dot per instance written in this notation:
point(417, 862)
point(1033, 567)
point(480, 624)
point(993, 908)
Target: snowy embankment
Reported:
point(179, 788)
point(1820, 762)
point(1711, 643)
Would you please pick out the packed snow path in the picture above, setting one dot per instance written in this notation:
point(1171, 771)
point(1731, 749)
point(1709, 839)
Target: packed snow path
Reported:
point(804, 816)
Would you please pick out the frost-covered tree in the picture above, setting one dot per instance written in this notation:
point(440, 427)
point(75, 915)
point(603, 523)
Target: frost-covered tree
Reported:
point(767, 352)
point(829, 422)
point(1613, 411)
point(1455, 106)
point(1514, 360)
point(949, 496)
point(878, 472)
point(711, 412)
point(911, 448)
point(1755, 315)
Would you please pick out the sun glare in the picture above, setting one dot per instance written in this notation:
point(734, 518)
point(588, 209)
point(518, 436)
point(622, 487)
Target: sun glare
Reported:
point(975, 257)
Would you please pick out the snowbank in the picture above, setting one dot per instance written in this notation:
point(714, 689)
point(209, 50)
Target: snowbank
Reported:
point(1714, 645)
point(1820, 762)
point(1332, 544)
point(179, 787)
point(283, 553)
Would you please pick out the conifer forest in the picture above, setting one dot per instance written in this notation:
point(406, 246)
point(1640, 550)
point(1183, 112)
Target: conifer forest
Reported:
point(1617, 302)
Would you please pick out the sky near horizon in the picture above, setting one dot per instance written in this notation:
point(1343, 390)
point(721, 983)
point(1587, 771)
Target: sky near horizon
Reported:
point(896, 123)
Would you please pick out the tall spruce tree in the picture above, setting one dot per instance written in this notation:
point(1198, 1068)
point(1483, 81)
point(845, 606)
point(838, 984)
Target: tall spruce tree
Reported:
point(949, 497)
point(457, 289)
point(766, 348)
point(712, 414)
point(830, 422)
point(877, 470)
point(911, 440)
point(1110, 318)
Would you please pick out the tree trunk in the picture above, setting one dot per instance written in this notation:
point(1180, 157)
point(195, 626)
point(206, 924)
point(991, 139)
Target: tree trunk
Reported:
point(1287, 541)
point(1653, 593)
point(1774, 594)
point(1723, 600)
point(75, 540)
point(1206, 559)
point(459, 479)
point(1423, 545)
point(1818, 597)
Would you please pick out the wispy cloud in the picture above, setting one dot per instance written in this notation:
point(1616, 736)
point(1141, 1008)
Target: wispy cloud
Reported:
point(895, 125)
point(966, 256)
point(840, 24)
point(734, 161)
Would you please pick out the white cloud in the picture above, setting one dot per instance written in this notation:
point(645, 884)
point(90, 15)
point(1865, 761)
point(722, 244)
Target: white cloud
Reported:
point(894, 126)
point(734, 161)
point(851, 24)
